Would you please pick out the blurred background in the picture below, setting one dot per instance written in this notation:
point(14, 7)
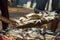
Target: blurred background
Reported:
point(22, 3)
point(21, 7)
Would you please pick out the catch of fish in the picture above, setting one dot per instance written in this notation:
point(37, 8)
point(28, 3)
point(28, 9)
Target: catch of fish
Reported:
point(31, 33)
point(35, 18)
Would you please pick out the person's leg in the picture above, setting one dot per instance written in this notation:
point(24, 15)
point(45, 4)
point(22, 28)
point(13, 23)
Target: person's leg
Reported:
point(55, 5)
point(4, 11)
point(54, 25)
point(40, 6)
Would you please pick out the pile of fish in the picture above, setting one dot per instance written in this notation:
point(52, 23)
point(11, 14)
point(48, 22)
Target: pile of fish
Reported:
point(31, 33)
point(25, 34)
point(35, 18)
